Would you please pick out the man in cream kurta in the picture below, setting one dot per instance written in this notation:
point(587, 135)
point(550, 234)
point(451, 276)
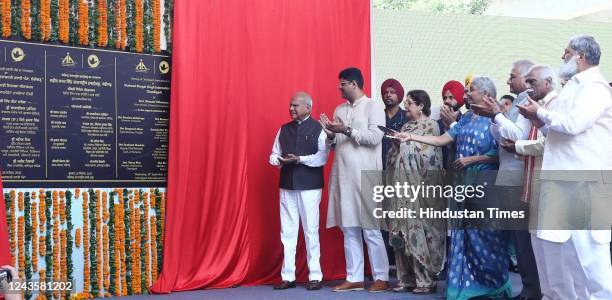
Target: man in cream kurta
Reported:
point(357, 142)
point(575, 179)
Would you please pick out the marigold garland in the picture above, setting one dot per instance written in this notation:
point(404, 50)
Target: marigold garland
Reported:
point(62, 209)
point(138, 30)
point(28, 240)
point(77, 237)
point(20, 245)
point(102, 24)
point(122, 32)
point(119, 254)
point(42, 249)
point(45, 19)
point(83, 23)
point(64, 258)
point(86, 272)
point(153, 249)
point(114, 263)
point(6, 18)
point(124, 22)
point(56, 253)
point(49, 255)
point(11, 222)
point(55, 204)
point(69, 243)
point(147, 242)
point(156, 26)
point(126, 284)
point(118, 19)
point(105, 274)
point(34, 216)
point(41, 211)
point(136, 251)
point(20, 200)
point(26, 24)
point(69, 22)
point(99, 248)
point(64, 28)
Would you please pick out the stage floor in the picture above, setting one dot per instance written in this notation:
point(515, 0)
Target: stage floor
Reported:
point(266, 292)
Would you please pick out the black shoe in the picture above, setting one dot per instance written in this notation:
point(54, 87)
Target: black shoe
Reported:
point(285, 285)
point(313, 285)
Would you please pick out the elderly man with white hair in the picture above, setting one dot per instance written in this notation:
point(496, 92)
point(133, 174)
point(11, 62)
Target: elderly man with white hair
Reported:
point(573, 236)
point(300, 152)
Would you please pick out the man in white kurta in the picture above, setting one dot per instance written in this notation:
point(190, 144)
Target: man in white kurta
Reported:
point(357, 143)
point(300, 152)
point(575, 180)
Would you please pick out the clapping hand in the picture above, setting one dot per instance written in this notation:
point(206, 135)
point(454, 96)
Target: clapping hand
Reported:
point(335, 126)
point(288, 159)
point(529, 110)
point(487, 108)
point(448, 116)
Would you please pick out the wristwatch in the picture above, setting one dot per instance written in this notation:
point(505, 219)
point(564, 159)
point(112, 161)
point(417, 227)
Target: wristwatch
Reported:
point(348, 131)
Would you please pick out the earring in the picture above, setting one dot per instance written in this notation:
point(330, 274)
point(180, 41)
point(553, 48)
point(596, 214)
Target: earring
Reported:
point(420, 112)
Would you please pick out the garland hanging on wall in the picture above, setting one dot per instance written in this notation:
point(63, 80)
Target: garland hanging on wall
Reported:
point(131, 25)
point(121, 239)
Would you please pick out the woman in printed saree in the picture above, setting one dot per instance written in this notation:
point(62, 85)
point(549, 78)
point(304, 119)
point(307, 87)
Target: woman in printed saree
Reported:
point(419, 244)
point(478, 259)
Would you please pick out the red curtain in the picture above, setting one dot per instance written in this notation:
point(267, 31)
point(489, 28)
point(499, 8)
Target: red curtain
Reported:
point(235, 66)
point(5, 252)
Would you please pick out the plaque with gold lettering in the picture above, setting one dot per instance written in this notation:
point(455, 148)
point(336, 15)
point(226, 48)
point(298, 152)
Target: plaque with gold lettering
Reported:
point(82, 117)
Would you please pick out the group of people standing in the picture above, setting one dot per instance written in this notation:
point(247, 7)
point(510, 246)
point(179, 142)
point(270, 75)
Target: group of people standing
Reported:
point(529, 139)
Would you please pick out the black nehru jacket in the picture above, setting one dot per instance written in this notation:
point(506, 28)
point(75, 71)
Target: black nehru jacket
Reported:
point(300, 139)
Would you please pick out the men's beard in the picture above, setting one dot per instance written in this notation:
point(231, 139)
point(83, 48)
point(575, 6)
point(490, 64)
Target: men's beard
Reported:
point(569, 69)
point(453, 107)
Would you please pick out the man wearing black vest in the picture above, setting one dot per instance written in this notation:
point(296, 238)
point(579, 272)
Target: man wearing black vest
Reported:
point(300, 152)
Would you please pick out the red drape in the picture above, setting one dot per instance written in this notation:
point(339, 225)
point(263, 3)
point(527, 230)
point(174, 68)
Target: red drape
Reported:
point(5, 251)
point(235, 66)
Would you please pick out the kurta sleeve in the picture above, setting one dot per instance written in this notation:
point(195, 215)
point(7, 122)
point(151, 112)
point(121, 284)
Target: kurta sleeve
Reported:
point(518, 130)
point(371, 135)
point(320, 158)
point(276, 151)
point(530, 147)
point(592, 102)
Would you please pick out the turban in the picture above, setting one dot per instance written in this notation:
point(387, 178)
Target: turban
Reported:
point(399, 89)
point(456, 88)
point(468, 80)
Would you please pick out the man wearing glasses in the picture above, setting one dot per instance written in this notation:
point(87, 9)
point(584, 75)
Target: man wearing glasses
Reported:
point(357, 139)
